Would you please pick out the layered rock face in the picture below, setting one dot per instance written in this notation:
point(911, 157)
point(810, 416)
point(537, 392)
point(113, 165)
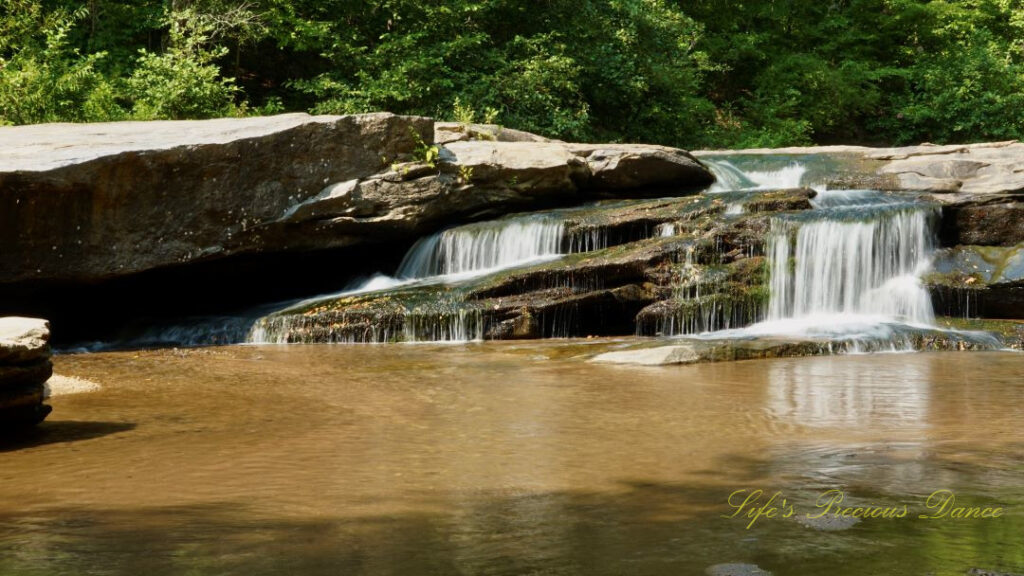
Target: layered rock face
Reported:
point(980, 186)
point(654, 266)
point(104, 223)
point(981, 190)
point(24, 368)
point(85, 203)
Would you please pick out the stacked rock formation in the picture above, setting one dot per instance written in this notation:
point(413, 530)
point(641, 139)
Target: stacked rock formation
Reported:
point(24, 368)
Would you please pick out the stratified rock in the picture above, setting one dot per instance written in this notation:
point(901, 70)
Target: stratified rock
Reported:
point(85, 202)
point(91, 202)
point(15, 375)
point(998, 221)
point(625, 264)
point(24, 368)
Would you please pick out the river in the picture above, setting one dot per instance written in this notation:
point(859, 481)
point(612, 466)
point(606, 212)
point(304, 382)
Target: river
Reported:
point(512, 458)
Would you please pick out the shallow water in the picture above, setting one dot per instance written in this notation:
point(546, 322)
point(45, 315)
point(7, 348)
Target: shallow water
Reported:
point(510, 458)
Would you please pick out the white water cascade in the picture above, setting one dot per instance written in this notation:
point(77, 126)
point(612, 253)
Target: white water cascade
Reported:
point(477, 249)
point(729, 178)
point(842, 269)
point(450, 256)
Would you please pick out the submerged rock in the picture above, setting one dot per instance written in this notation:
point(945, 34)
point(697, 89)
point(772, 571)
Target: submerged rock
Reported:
point(694, 350)
point(24, 368)
point(736, 569)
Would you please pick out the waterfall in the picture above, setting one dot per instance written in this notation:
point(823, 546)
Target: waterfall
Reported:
point(729, 178)
point(477, 249)
point(452, 255)
point(834, 267)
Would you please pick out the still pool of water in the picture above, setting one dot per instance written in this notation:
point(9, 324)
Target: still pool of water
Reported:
point(511, 458)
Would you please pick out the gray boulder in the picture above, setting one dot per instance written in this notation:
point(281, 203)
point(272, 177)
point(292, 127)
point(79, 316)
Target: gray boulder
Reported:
point(93, 202)
point(24, 368)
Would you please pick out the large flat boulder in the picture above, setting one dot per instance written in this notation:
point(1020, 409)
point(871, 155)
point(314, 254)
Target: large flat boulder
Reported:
point(89, 202)
point(475, 179)
point(84, 203)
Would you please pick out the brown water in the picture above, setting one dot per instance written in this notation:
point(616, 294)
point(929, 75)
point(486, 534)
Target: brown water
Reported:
point(510, 459)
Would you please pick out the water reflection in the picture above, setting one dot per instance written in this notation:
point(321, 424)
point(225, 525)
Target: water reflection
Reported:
point(511, 458)
point(831, 392)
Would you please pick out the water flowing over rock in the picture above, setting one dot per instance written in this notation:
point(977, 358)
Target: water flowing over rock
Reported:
point(247, 210)
point(24, 368)
point(979, 186)
point(568, 272)
point(478, 248)
point(866, 267)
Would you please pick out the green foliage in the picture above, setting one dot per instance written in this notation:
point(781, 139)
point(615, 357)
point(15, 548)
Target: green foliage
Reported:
point(184, 81)
point(425, 153)
point(699, 73)
point(43, 78)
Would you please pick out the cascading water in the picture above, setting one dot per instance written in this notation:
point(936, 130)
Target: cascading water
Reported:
point(477, 249)
point(451, 256)
point(847, 271)
point(859, 267)
point(729, 178)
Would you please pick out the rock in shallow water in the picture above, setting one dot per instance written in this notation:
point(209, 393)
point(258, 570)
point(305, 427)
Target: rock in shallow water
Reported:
point(736, 569)
point(24, 368)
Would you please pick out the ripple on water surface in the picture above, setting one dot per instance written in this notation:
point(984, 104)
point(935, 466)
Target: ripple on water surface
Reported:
point(508, 458)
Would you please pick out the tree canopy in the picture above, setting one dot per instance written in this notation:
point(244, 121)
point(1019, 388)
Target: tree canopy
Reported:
point(697, 73)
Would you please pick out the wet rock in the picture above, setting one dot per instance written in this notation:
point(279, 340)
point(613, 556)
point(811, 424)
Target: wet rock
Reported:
point(628, 271)
point(985, 281)
point(657, 356)
point(1011, 332)
point(995, 222)
point(736, 569)
point(979, 185)
point(24, 368)
point(693, 350)
point(993, 168)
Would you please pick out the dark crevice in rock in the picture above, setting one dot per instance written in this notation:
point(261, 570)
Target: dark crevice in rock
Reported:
point(119, 308)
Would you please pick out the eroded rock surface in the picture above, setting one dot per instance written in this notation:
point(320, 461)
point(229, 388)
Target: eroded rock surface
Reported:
point(87, 203)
